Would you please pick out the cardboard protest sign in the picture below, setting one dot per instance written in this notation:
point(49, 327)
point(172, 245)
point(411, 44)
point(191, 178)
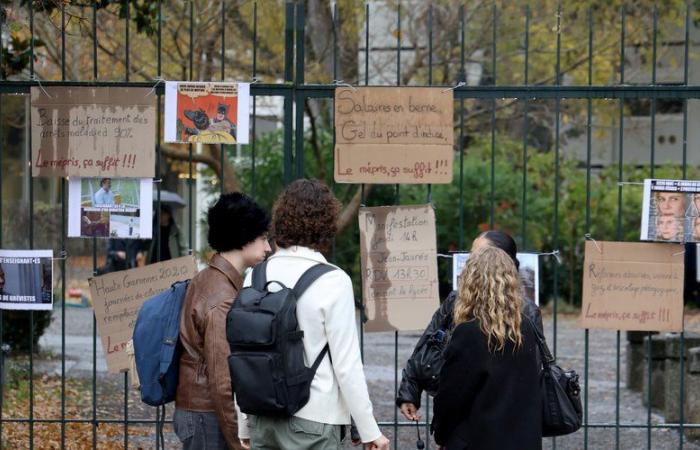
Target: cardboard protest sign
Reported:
point(26, 279)
point(529, 272)
point(209, 113)
point(393, 135)
point(399, 266)
point(633, 286)
point(671, 211)
point(120, 208)
point(93, 131)
point(118, 296)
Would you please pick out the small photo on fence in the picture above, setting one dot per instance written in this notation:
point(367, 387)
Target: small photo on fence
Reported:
point(117, 208)
point(207, 113)
point(529, 273)
point(671, 211)
point(26, 279)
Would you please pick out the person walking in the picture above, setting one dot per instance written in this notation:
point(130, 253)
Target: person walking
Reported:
point(205, 416)
point(303, 227)
point(489, 393)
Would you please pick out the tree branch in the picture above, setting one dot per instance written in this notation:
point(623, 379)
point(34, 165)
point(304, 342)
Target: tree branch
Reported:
point(349, 214)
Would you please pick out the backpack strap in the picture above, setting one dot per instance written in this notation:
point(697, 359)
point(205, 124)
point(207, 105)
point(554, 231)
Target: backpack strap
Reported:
point(309, 277)
point(260, 276)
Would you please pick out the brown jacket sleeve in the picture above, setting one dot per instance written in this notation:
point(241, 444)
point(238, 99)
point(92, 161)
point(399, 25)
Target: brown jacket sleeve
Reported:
point(216, 351)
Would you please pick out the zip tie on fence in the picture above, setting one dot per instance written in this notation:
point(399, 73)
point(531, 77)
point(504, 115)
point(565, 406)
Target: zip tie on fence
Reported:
point(633, 183)
point(63, 257)
point(153, 89)
point(554, 253)
point(157, 180)
point(343, 83)
point(255, 80)
point(38, 81)
point(678, 253)
point(456, 86)
point(590, 238)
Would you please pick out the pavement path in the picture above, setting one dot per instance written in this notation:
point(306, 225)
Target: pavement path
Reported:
point(381, 372)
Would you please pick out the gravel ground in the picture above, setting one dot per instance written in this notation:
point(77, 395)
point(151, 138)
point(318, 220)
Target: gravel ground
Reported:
point(381, 374)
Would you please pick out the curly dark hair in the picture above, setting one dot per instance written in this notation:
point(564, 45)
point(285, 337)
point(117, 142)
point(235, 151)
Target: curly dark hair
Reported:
point(234, 221)
point(305, 214)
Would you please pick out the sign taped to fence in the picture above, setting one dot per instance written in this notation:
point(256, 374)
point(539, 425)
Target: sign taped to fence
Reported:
point(671, 211)
point(393, 135)
point(399, 266)
point(210, 113)
point(118, 296)
point(93, 131)
point(26, 279)
point(633, 286)
point(529, 272)
point(119, 208)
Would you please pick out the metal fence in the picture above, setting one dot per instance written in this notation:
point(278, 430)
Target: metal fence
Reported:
point(295, 93)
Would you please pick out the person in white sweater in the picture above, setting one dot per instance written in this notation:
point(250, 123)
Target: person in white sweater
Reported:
point(304, 225)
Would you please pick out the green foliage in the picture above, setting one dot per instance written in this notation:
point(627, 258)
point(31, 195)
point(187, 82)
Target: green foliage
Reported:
point(534, 227)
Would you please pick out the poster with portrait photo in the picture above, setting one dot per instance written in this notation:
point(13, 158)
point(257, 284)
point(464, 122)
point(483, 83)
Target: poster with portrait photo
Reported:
point(671, 211)
point(26, 279)
point(205, 112)
point(529, 272)
point(117, 208)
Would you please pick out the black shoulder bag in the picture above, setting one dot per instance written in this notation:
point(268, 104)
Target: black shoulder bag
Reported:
point(561, 401)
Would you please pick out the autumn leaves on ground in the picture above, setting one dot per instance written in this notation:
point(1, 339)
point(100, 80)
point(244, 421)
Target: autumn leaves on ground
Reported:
point(78, 406)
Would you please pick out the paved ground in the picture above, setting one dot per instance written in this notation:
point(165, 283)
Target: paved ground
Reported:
point(381, 374)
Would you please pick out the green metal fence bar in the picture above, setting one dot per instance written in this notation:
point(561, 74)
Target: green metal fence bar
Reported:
point(30, 208)
point(492, 198)
point(557, 185)
point(587, 229)
point(620, 179)
point(525, 102)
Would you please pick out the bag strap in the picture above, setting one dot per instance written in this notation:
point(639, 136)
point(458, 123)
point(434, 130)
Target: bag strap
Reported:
point(260, 276)
point(547, 358)
point(309, 277)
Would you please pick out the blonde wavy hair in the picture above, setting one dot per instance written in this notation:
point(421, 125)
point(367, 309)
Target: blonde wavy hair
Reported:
point(490, 292)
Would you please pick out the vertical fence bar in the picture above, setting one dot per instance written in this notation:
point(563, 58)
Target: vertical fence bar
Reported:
point(363, 198)
point(63, 253)
point(681, 392)
point(222, 151)
point(255, 98)
point(94, 258)
point(127, 69)
point(620, 179)
point(492, 215)
point(652, 173)
point(299, 97)
point(429, 194)
point(589, 133)
point(397, 200)
point(190, 165)
point(523, 225)
point(2, 318)
point(288, 99)
point(461, 128)
point(557, 182)
point(31, 240)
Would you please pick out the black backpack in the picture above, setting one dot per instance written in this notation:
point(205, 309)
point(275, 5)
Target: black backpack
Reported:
point(268, 373)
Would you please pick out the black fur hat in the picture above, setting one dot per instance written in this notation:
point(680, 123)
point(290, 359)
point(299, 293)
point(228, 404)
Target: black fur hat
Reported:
point(234, 221)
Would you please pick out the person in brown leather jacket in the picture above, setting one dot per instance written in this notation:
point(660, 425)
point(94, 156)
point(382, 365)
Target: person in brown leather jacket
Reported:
point(205, 416)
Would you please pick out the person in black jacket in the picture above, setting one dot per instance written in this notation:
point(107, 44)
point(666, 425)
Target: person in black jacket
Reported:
point(489, 394)
point(416, 377)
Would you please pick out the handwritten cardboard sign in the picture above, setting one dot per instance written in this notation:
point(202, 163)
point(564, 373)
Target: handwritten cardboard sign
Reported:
point(93, 132)
point(118, 296)
point(633, 286)
point(393, 135)
point(399, 266)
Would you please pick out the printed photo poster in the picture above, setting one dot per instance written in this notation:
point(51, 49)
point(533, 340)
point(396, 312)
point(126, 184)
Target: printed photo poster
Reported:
point(85, 131)
point(209, 113)
point(398, 255)
point(529, 272)
point(26, 279)
point(671, 211)
point(118, 208)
